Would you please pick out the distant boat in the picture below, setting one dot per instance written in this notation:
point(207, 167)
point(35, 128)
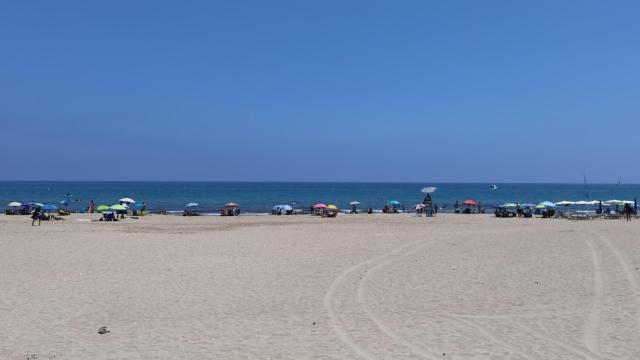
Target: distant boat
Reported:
point(494, 187)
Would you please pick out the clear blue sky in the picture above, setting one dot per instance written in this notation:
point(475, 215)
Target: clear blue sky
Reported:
point(486, 91)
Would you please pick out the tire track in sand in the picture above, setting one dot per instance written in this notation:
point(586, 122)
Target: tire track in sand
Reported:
point(592, 326)
point(335, 320)
point(629, 274)
point(385, 328)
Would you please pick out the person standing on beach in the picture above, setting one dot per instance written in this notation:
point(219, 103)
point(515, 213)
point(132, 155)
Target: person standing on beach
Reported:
point(37, 215)
point(627, 212)
point(91, 208)
point(456, 207)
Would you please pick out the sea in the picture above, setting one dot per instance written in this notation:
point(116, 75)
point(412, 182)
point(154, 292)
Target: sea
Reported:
point(261, 197)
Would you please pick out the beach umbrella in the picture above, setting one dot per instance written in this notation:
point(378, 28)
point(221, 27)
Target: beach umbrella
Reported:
point(320, 206)
point(49, 207)
point(582, 202)
point(14, 204)
point(614, 202)
point(470, 203)
point(191, 204)
point(38, 204)
point(420, 206)
point(540, 206)
point(102, 208)
point(394, 202)
point(284, 207)
point(332, 207)
point(627, 202)
point(547, 204)
point(138, 206)
point(231, 204)
point(354, 202)
point(27, 203)
point(118, 207)
point(529, 205)
point(127, 200)
point(509, 205)
point(429, 190)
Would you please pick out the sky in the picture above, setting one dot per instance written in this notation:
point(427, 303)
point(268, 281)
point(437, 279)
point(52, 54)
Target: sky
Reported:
point(415, 91)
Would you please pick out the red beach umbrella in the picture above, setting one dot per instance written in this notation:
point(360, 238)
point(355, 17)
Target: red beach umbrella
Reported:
point(470, 203)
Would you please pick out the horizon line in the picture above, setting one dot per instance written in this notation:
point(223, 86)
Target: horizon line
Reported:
point(320, 182)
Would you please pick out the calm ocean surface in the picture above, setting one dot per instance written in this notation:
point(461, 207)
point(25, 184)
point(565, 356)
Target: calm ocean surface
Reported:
point(260, 197)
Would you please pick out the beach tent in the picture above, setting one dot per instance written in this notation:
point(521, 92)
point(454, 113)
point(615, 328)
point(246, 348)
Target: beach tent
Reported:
point(14, 204)
point(470, 203)
point(429, 189)
point(191, 204)
point(320, 206)
point(102, 208)
point(127, 200)
point(547, 204)
point(283, 208)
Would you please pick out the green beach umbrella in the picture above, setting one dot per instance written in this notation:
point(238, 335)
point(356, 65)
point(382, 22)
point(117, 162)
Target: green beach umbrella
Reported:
point(118, 207)
point(540, 206)
point(102, 208)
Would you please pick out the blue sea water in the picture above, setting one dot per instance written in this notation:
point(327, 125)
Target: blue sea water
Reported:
point(260, 197)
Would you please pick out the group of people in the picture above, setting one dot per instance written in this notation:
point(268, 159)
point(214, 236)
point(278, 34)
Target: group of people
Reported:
point(480, 209)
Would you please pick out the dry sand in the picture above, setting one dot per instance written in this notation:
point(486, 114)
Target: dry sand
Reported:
point(370, 287)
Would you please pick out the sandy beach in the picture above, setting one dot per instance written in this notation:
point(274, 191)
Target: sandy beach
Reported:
point(301, 287)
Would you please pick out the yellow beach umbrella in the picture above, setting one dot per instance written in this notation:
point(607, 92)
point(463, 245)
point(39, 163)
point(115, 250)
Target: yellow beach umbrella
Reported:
point(332, 207)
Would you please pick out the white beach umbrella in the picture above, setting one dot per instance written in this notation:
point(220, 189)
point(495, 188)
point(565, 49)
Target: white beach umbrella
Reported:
point(429, 189)
point(628, 202)
point(420, 206)
point(593, 202)
point(127, 200)
point(14, 204)
point(614, 202)
point(354, 202)
point(191, 204)
point(581, 202)
point(564, 203)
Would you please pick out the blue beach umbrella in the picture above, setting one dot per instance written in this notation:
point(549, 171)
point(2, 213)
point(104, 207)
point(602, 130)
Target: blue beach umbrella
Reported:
point(394, 202)
point(49, 207)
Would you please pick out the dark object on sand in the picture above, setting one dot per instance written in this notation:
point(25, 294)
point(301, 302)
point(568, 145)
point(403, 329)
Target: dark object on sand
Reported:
point(103, 330)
